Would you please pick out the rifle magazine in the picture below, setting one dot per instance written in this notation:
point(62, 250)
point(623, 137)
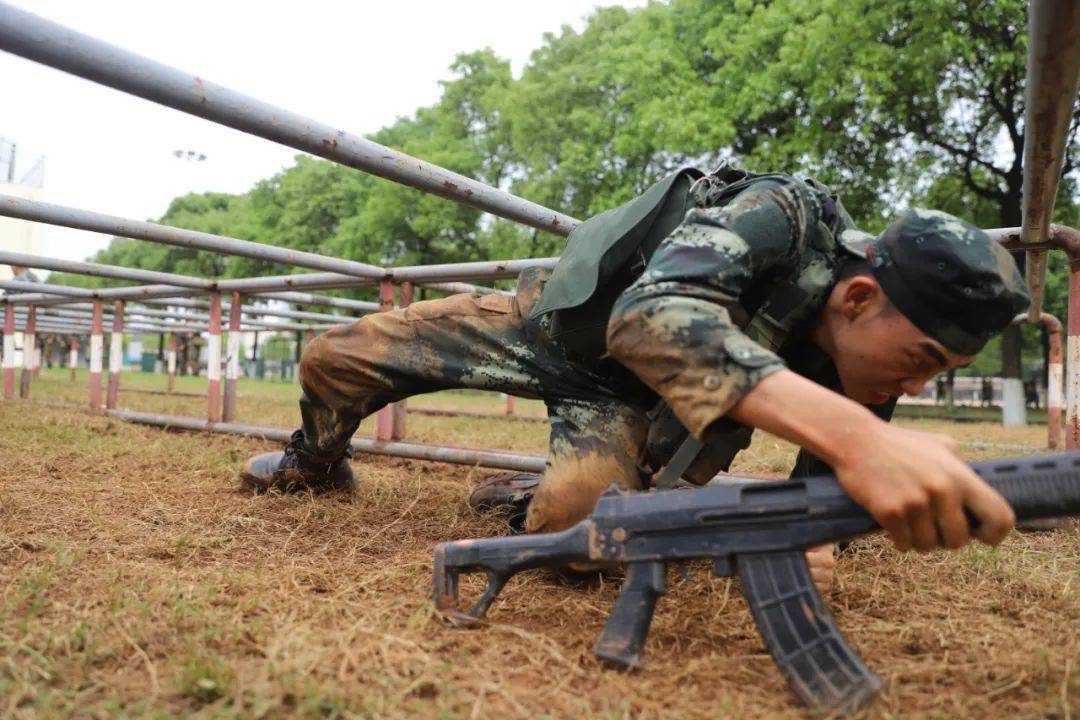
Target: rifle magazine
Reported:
point(812, 653)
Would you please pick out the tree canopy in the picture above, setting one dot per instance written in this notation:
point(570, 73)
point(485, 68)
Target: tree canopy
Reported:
point(891, 104)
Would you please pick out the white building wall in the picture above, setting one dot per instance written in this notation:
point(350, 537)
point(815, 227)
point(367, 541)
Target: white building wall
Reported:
point(20, 235)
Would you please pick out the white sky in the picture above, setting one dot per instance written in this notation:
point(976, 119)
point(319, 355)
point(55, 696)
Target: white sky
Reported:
point(355, 64)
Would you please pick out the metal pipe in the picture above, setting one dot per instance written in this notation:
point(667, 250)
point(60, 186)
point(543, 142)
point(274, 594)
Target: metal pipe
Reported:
point(50, 43)
point(49, 324)
point(449, 412)
point(35, 370)
point(462, 456)
point(35, 287)
point(1053, 376)
point(51, 214)
point(116, 355)
point(1072, 382)
point(9, 352)
point(171, 363)
point(96, 347)
point(1067, 239)
point(29, 342)
point(232, 359)
point(98, 270)
point(399, 409)
point(213, 361)
point(272, 286)
point(76, 318)
point(77, 313)
point(384, 419)
point(1053, 81)
point(45, 295)
point(73, 360)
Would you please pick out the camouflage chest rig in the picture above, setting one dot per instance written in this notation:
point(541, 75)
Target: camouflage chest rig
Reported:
point(607, 252)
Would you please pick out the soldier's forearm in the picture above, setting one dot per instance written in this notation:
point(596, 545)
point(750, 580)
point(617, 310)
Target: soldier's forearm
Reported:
point(825, 423)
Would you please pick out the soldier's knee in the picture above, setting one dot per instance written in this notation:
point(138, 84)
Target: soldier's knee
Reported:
point(314, 360)
point(571, 487)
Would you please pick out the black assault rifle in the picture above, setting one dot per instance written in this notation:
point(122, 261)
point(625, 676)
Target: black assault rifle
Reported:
point(759, 531)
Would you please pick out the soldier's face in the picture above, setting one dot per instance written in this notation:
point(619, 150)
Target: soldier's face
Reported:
point(878, 352)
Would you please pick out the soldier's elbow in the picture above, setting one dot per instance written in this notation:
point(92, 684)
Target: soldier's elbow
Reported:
point(624, 329)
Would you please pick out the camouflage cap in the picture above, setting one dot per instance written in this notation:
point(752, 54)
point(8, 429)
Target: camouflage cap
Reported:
point(946, 276)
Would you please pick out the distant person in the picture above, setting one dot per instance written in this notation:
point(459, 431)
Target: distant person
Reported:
point(1031, 394)
point(941, 388)
point(987, 391)
point(23, 274)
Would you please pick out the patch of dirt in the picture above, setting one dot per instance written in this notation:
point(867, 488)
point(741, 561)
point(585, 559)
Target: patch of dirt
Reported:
point(136, 580)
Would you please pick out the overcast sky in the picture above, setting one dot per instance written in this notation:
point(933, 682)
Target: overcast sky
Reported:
point(355, 64)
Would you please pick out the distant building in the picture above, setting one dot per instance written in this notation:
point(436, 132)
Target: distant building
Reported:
point(19, 235)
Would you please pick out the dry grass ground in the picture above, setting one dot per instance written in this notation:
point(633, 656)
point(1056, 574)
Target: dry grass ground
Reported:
point(136, 581)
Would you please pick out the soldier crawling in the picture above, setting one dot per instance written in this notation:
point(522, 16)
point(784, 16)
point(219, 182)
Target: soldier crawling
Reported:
point(711, 304)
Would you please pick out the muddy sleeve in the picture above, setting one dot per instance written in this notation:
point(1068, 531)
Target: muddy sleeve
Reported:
point(673, 327)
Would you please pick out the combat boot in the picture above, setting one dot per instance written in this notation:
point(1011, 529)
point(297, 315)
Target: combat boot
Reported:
point(295, 470)
point(508, 493)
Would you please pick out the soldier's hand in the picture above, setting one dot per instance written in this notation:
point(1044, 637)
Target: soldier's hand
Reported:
point(917, 487)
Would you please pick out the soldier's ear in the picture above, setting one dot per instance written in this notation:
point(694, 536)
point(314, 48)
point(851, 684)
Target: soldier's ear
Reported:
point(860, 295)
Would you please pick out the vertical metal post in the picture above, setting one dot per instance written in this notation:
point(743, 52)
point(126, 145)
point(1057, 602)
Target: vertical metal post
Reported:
point(170, 363)
point(97, 343)
point(400, 408)
point(232, 359)
point(1072, 383)
point(213, 361)
point(509, 403)
point(116, 355)
point(29, 351)
point(384, 421)
point(1053, 386)
point(73, 359)
point(9, 351)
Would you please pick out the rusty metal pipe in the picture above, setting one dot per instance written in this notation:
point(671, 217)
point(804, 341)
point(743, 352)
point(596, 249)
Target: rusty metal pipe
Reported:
point(73, 360)
point(97, 346)
point(29, 345)
point(461, 456)
point(384, 418)
point(276, 287)
point(213, 361)
point(98, 270)
point(1053, 376)
point(35, 38)
point(170, 365)
point(1066, 239)
point(9, 352)
point(116, 355)
point(1053, 80)
point(232, 360)
point(51, 214)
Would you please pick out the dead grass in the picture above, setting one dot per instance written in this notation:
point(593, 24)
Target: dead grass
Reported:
point(136, 581)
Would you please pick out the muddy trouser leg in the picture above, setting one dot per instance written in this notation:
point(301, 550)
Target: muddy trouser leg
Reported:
point(483, 342)
point(593, 444)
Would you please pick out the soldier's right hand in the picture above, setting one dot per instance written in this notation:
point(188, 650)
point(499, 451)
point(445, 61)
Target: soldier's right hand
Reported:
point(917, 487)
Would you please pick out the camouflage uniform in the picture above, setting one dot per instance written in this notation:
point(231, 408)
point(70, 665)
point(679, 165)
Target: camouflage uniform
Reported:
point(684, 330)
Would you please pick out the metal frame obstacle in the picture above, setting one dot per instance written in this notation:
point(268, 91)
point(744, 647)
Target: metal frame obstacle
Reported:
point(193, 304)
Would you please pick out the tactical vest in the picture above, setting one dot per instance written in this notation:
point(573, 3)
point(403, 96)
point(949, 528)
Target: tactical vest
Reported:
point(606, 253)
